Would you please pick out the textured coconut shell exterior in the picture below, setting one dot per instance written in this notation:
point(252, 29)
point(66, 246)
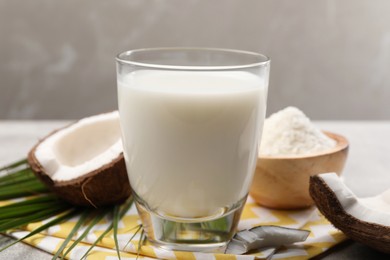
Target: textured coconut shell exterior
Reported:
point(373, 235)
point(105, 186)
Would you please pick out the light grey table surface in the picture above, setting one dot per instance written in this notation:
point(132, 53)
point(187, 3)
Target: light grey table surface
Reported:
point(367, 171)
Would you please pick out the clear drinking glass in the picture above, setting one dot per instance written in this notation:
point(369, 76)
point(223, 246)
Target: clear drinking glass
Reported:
point(191, 120)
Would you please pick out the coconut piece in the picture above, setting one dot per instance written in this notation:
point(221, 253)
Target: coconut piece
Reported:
point(278, 236)
point(364, 220)
point(83, 163)
point(264, 237)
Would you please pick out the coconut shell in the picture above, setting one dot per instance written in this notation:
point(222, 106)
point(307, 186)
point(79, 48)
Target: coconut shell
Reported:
point(104, 186)
point(370, 234)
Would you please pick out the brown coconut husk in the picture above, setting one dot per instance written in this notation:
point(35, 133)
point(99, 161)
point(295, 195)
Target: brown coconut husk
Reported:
point(370, 234)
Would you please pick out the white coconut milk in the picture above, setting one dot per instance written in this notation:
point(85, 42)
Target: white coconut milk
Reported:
point(190, 138)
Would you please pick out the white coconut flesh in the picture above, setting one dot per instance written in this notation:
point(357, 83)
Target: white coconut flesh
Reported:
point(379, 203)
point(81, 148)
point(373, 210)
point(269, 237)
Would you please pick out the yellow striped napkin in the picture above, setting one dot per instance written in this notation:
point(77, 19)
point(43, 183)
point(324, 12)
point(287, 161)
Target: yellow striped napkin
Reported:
point(322, 236)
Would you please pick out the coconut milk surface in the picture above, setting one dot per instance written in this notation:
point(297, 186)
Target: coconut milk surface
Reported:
point(190, 137)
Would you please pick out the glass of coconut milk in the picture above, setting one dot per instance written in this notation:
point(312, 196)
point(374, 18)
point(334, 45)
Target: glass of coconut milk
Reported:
point(191, 121)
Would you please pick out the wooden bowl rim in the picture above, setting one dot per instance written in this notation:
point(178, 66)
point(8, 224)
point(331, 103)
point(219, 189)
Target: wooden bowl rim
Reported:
point(342, 144)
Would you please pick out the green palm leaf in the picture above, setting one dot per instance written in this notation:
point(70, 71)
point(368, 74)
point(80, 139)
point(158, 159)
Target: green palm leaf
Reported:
point(115, 227)
point(99, 214)
point(76, 227)
point(13, 165)
point(53, 222)
point(17, 181)
point(125, 208)
point(21, 175)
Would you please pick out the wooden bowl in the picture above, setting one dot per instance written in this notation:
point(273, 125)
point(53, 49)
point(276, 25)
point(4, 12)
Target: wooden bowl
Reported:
point(283, 182)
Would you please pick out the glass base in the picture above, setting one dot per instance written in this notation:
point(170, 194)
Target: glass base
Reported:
point(209, 234)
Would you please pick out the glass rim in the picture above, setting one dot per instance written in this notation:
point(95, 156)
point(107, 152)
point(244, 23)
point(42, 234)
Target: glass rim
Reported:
point(263, 59)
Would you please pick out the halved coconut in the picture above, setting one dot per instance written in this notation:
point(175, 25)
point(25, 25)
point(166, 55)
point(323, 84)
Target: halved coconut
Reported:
point(364, 220)
point(83, 163)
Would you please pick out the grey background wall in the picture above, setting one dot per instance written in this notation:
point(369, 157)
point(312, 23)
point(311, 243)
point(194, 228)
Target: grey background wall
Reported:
point(330, 58)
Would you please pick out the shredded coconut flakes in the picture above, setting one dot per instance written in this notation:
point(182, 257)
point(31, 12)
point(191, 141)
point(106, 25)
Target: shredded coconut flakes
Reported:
point(290, 132)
